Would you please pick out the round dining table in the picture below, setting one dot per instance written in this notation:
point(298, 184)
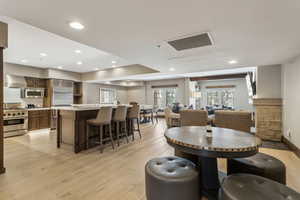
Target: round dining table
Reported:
point(220, 143)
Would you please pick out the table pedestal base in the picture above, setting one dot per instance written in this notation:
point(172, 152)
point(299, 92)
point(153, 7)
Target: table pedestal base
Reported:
point(210, 178)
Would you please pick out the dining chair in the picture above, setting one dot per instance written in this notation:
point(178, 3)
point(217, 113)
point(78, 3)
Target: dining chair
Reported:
point(151, 115)
point(102, 120)
point(237, 120)
point(172, 119)
point(119, 119)
point(193, 117)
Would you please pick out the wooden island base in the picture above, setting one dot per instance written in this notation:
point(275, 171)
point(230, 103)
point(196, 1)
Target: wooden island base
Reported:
point(71, 127)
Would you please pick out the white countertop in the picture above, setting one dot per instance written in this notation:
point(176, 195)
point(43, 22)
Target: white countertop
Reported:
point(33, 109)
point(83, 107)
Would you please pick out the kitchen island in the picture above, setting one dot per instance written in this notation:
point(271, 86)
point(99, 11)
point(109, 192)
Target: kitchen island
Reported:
point(71, 125)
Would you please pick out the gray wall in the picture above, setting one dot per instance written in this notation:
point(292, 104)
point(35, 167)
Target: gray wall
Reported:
point(22, 70)
point(269, 81)
point(91, 93)
point(137, 94)
point(241, 101)
point(180, 89)
point(144, 94)
point(291, 101)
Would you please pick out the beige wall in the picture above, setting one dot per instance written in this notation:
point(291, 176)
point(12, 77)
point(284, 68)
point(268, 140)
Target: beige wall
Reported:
point(22, 70)
point(291, 101)
point(60, 74)
point(91, 93)
point(269, 81)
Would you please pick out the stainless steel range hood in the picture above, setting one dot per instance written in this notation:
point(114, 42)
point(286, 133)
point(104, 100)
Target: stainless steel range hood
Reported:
point(13, 81)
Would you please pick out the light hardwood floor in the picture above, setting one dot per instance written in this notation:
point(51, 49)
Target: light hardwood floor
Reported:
point(37, 170)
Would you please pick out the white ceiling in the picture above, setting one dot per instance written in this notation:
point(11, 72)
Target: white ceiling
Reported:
point(254, 32)
point(27, 42)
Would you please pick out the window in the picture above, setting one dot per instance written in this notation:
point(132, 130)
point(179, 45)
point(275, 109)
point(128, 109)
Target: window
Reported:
point(170, 96)
point(107, 96)
point(227, 98)
point(220, 97)
point(164, 97)
point(213, 98)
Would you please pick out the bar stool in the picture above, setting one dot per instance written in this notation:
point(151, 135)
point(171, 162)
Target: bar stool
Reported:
point(103, 119)
point(119, 118)
point(133, 114)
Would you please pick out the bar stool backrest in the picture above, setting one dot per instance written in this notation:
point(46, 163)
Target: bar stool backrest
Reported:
point(104, 114)
point(120, 113)
point(134, 111)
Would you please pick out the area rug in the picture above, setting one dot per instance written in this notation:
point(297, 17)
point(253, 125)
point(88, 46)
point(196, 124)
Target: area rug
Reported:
point(274, 145)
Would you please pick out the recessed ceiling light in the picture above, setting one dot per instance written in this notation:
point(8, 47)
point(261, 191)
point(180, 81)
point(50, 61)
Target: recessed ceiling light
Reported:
point(107, 82)
point(76, 25)
point(43, 54)
point(172, 69)
point(113, 66)
point(113, 62)
point(232, 62)
point(96, 68)
point(78, 51)
point(24, 61)
point(59, 67)
point(79, 63)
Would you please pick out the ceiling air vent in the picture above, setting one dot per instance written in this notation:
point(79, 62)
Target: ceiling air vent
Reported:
point(191, 42)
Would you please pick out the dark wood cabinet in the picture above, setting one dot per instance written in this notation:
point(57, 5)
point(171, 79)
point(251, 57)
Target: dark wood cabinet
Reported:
point(36, 82)
point(44, 119)
point(77, 93)
point(38, 119)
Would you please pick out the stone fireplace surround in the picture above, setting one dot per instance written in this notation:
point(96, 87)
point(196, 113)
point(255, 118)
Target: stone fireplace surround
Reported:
point(268, 118)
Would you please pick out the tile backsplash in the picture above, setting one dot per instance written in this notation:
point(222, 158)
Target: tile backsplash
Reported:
point(37, 102)
point(13, 95)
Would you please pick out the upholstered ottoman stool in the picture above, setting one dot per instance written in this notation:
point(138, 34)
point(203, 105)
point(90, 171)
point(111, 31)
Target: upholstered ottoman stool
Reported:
point(252, 187)
point(171, 178)
point(260, 164)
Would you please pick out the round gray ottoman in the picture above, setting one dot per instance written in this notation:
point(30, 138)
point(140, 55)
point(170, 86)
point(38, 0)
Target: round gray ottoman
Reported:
point(171, 178)
point(252, 187)
point(260, 164)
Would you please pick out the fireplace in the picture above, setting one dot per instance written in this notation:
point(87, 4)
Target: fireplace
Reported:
point(268, 118)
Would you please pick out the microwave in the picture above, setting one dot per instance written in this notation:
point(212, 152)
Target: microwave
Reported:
point(32, 93)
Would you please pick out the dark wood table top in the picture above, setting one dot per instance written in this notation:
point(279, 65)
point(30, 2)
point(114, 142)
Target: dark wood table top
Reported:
point(223, 143)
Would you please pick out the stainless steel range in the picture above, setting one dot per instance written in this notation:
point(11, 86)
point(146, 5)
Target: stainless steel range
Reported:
point(15, 121)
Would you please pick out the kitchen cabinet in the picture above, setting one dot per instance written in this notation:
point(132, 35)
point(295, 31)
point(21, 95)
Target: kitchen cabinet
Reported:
point(38, 119)
point(36, 82)
point(44, 119)
point(77, 93)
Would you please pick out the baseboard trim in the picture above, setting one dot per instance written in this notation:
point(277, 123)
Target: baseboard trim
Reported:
point(291, 146)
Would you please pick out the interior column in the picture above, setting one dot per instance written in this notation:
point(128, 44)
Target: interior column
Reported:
point(2, 169)
point(3, 44)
